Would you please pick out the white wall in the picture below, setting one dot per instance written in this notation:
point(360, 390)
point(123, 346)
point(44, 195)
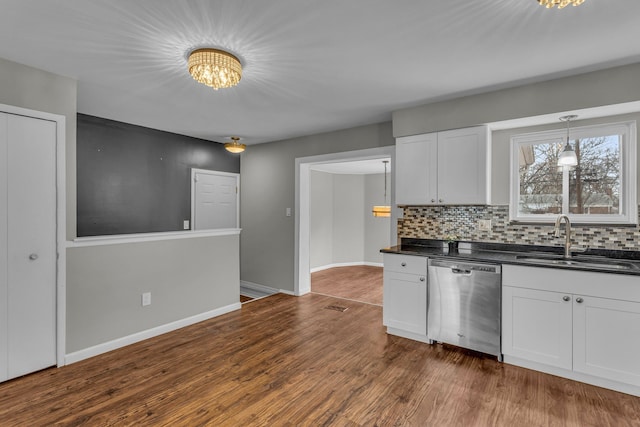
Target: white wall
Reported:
point(321, 219)
point(342, 227)
point(376, 234)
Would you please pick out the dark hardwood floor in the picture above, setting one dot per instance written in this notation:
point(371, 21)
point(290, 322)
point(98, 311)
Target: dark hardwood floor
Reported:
point(359, 283)
point(289, 361)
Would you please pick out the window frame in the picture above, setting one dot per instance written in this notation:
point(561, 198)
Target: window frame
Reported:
point(628, 177)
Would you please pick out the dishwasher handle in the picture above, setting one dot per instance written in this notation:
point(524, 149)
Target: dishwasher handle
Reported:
point(460, 271)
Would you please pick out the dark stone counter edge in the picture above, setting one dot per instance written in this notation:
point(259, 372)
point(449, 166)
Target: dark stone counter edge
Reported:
point(502, 253)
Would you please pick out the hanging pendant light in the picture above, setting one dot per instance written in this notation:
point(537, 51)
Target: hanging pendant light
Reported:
point(235, 147)
point(383, 211)
point(568, 156)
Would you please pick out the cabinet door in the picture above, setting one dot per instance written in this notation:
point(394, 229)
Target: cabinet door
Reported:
point(417, 170)
point(607, 338)
point(463, 168)
point(536, 326)
point(405, 302)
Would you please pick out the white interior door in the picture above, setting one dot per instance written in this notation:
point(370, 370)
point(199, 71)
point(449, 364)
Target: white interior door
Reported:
point(28, 166)
point(215, 199)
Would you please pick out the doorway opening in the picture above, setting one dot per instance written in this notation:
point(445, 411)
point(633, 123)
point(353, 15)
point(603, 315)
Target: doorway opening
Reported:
point(308, 167)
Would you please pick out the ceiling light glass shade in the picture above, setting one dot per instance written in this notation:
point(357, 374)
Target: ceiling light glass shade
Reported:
point(568, 156)
point(215, 68)
point(550, 4)
point(235, 147)
point(382, 211)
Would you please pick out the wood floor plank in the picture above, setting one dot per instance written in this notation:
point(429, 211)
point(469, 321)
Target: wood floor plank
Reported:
point(358, 283)
point(289, 361)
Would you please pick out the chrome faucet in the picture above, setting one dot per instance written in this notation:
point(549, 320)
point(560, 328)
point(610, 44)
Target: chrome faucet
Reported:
point(567, 232)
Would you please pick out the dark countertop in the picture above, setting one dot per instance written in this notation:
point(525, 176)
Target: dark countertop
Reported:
point(499, 253)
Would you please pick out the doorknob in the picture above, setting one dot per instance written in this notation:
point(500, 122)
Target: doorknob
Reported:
point(33, 257)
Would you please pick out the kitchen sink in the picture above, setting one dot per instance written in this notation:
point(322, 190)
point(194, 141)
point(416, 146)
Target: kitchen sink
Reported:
point(598, 263)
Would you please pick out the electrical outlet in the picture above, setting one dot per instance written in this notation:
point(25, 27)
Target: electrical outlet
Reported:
point(146, 299)
point(287, 212)
point(185, 224)
point(484, 225)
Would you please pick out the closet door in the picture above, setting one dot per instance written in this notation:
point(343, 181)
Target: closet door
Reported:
point(30, 169)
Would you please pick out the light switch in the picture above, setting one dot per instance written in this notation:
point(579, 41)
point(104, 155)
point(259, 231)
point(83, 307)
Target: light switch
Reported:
point(185, 224)
point(146, 299)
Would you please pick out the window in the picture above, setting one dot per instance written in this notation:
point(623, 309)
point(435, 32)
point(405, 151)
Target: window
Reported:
point(600, 189)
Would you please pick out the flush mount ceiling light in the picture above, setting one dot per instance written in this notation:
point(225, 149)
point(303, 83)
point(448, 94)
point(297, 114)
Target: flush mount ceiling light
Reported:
point(550, 4)
point(568, 156)
point(214, 68)
point(383, 211)
point(234, 146)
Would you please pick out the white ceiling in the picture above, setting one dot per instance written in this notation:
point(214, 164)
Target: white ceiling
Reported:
point(309, 66)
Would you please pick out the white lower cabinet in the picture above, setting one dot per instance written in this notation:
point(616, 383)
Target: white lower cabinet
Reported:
point(606, 338)
point(536, 325)
point(581, 325)
point(404, 306)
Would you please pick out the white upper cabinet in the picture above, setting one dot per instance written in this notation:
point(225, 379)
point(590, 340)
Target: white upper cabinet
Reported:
point(444, 168)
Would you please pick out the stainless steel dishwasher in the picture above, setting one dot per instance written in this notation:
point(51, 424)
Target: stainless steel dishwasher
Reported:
point(464, 305)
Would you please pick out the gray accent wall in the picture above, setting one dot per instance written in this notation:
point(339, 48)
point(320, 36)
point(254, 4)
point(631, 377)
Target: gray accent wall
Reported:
point(267, 176)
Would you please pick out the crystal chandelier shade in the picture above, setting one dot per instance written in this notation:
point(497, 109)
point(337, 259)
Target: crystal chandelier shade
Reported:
point(214, 68)
point(550, 4)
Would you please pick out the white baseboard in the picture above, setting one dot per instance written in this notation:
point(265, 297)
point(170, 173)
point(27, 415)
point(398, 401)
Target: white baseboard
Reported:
point(345, 264)
point(149, 333)
point(265, 289)
point(576, 376)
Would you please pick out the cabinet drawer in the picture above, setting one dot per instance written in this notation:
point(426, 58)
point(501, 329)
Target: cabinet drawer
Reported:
point(405, 264)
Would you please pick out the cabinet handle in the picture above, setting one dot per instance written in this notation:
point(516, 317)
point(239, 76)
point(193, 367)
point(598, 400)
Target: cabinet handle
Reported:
point(421, 279)
point(433, 200)
point(33, 257)
point(440, 200)
point(404, 264)
point(565, 298)
point(579, 300)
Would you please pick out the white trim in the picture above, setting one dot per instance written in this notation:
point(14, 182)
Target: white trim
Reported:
point(61, 220)
point(572, 375)
point(194, 171)
point(346, 264)
point(263, 288)
point(409, 335)
point(301, 265)
point(628, 179)
point(149, 333)
point(149, 237)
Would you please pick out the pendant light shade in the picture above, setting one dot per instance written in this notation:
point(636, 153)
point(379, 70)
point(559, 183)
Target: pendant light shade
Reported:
point(568, 156)
point(235, 147)
point(383, 211)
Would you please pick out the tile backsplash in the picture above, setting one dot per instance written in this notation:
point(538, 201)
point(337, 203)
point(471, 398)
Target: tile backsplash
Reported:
point(434, 222)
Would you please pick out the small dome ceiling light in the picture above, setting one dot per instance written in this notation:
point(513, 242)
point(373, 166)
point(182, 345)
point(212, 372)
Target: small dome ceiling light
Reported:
point(235, 147)
point(214, 68)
